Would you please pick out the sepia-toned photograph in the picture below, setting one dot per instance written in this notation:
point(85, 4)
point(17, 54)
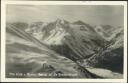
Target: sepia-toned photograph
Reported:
point(64, 41)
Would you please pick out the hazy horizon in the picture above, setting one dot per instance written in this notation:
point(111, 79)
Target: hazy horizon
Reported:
point(92, 14)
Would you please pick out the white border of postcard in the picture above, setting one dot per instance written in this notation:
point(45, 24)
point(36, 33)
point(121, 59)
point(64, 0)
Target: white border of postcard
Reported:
point(3, 21)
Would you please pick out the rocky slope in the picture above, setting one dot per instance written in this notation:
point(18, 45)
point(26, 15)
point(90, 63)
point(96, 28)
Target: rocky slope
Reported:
point(27, 55)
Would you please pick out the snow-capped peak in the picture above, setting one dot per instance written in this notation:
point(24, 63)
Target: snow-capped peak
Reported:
point(56, 34)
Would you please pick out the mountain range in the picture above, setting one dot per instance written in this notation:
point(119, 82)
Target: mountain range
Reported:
point(64, 45)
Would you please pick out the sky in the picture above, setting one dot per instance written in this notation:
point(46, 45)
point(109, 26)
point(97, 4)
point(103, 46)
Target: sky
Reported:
point(92, 14)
